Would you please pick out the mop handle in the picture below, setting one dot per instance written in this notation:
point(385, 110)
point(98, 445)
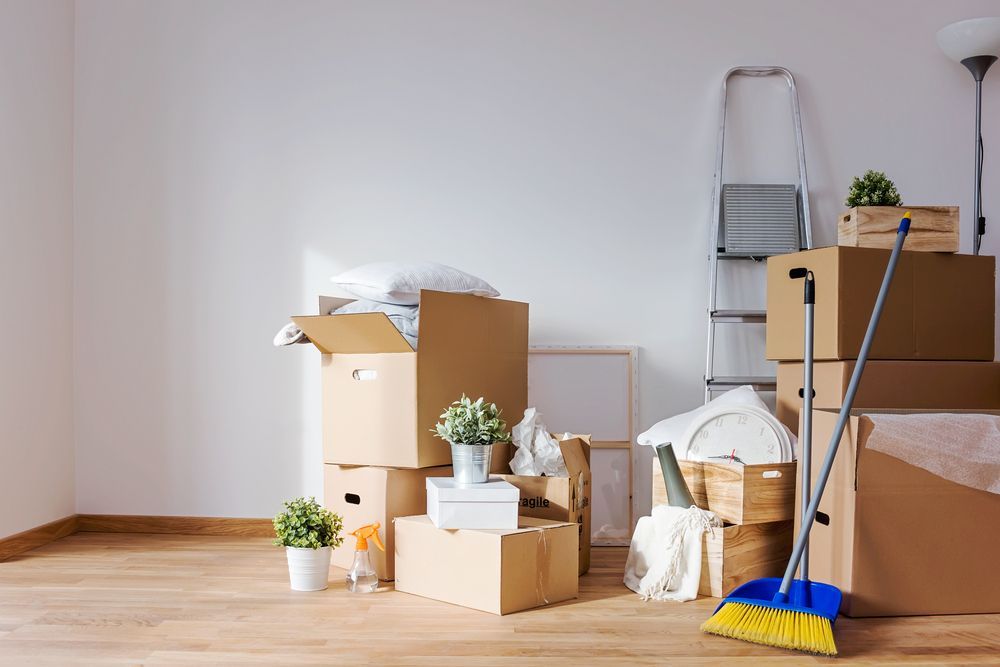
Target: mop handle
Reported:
point(807, 403)
point(809, 516)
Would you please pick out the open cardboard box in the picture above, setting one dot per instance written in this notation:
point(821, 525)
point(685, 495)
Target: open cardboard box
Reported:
point(381, 398)
point(940, 306)
point(896, 539)
point(891, 384)
point(499, 571)
point(555, 498)
point(365, 494)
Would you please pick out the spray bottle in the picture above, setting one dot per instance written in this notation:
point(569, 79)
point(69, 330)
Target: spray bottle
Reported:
point(361, 578)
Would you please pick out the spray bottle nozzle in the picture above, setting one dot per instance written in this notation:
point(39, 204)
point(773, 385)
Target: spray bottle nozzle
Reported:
point(369, 532)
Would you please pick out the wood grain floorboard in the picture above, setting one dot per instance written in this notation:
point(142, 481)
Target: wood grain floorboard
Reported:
point(96, 598)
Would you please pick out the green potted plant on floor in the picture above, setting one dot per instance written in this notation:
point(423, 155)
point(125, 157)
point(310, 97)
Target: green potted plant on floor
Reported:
point(309, 532)
point(472, 428)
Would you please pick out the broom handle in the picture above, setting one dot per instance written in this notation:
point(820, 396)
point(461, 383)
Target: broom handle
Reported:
point(809, 516)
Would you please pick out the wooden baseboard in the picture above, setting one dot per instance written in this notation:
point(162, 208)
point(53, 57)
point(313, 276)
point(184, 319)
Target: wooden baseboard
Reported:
point(37, 537)
point(177, 525)
point(125, 523)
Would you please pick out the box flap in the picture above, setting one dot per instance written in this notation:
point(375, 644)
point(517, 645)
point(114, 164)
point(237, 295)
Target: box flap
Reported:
point(352, 333)
point(494, 491)
point(576, 453)
point(328, 304)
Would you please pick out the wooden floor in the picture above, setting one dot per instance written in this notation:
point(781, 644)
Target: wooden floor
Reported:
point(95, 598)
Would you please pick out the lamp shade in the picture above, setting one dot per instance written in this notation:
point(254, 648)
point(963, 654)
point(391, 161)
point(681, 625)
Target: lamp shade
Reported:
point(970, 38)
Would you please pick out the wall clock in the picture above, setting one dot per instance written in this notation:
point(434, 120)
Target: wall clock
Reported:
point(743, 434)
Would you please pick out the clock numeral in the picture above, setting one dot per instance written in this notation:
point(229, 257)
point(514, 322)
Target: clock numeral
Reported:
point(720, 421)
point(761, 431)
point(741, 420)
point(703, 435)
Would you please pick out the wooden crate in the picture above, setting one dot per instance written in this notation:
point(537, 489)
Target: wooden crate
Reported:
point(738, 494)
point(933, 228)
point(734, 555)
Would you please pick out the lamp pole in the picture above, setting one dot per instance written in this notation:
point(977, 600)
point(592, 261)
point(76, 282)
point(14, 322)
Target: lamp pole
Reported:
point(978, 65)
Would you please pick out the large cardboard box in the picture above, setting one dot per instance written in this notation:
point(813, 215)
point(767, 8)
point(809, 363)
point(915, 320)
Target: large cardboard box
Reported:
point(738, 494)
point(891, 384)
point(499, 571)
point(557, 498)
point(940, 306)
point(381, 398)
point(364, 495)
point(896, 539)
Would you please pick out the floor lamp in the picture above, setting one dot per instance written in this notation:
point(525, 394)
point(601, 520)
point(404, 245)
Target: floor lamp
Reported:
point(976, 44)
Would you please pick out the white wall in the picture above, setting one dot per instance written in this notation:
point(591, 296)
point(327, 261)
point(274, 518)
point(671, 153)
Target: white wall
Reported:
point(231, 155)
point(36, 252)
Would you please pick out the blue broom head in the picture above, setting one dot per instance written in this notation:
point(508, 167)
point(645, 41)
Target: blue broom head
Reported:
point(809, 597)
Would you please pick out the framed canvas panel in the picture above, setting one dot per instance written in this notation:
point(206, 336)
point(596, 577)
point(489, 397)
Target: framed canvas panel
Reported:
point(593, 389)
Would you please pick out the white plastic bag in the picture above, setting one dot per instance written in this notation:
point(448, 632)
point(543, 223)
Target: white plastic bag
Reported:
point(536, 452)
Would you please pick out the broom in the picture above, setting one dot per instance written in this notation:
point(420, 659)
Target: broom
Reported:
point(799, 614)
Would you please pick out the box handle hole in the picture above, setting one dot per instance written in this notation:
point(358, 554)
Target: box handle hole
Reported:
point(823, 518)
point(771, 474)
point(802, 392)
point(364, 375)
point(352, 499)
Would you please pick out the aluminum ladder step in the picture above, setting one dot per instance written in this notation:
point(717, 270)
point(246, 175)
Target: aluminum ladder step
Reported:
point(739, 316)
point(758, 382)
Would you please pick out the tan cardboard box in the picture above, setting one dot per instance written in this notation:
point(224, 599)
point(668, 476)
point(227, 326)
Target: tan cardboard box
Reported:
point(896, 539)
point(558, 498)
point(381, 398)
point(499, 571)
point(891, 384)
point(940, 306)
point(738, 494)
point(364, 495)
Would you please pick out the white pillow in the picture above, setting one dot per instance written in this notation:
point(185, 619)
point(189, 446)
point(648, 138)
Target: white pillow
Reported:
point(400, 282)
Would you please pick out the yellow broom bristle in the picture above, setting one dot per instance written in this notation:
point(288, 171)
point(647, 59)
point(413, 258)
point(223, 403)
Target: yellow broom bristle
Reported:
point(783, 628)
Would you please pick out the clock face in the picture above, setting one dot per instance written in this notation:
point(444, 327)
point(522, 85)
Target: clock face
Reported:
point(736, 436)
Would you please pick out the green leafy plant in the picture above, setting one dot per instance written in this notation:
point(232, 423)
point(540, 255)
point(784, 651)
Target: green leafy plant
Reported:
point(873, 188)
point(468, 422)
point(307, 525)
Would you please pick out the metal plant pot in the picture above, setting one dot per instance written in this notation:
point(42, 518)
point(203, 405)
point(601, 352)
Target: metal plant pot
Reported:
point(471, 463)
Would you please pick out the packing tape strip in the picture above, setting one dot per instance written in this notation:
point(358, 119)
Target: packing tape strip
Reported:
point(541, 583)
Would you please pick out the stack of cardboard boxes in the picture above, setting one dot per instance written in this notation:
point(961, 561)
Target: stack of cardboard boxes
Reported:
point(381, 399)
point(894, 538)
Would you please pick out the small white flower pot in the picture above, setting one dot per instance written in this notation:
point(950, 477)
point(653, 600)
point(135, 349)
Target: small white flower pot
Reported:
point(308, 569)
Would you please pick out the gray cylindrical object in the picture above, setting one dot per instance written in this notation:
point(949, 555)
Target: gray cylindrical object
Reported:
point(678, 493)
point(471, 463)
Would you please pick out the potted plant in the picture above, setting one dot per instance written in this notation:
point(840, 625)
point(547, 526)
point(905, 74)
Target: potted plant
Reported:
point(874, 214)
point(472, 427)
point(309, 532)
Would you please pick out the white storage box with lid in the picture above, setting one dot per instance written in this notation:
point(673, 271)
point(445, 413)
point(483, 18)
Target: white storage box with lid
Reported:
point(488, 506)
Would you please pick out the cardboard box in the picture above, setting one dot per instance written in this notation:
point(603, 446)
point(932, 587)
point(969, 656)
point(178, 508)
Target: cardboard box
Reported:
point(491, 505)
point(738, 494)
point(499, 571)
point(940, 306)
point(891, 384)
point(557, 498)
point(364, 495)
point(734, 555)
point(381, 398)
point(896, 539)
point(933, 228)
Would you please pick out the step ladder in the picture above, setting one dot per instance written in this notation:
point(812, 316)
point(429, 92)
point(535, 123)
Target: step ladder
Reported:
point(751, 222)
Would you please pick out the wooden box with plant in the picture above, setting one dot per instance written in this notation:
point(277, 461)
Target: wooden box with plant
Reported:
point(309, 532)
point(472, 428)
point(874, 212)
